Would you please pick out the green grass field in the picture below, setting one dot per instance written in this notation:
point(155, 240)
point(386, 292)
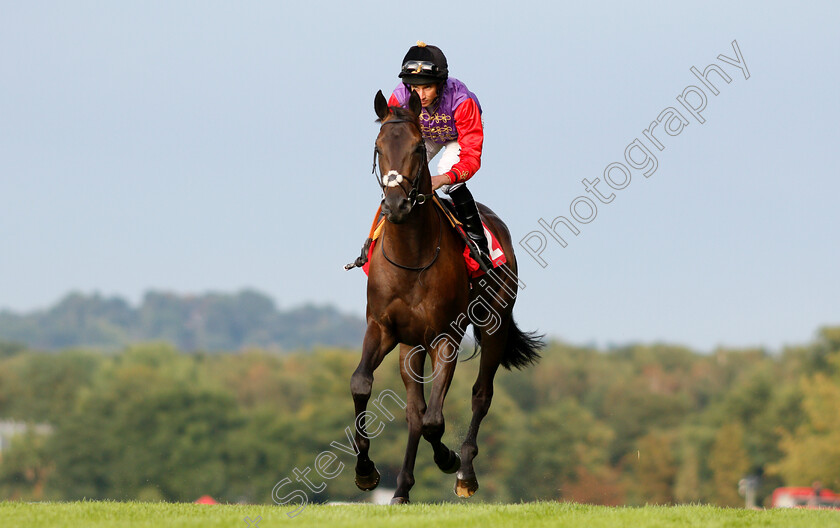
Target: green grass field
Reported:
point(136, 514)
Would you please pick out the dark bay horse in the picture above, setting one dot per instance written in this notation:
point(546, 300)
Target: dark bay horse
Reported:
point(420, 296)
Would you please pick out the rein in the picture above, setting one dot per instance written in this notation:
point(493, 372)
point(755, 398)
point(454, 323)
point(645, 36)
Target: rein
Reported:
point(420, 268)
point(395, 179)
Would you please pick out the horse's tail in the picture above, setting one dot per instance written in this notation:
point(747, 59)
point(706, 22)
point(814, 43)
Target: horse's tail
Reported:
point(522, 348)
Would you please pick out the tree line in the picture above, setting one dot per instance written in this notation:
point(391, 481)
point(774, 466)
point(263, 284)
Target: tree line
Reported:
point(639, 424)
point(210, 322)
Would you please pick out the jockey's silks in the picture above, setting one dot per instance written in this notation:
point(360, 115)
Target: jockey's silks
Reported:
point(439, 125)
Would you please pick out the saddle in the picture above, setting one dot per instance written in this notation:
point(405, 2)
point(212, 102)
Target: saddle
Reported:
point(446, 206)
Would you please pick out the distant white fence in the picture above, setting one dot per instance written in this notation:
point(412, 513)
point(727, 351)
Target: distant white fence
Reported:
point(10, 429)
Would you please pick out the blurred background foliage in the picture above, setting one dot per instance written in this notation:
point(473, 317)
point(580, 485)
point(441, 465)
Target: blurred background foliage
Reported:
point(209, 322)
point(638, 424)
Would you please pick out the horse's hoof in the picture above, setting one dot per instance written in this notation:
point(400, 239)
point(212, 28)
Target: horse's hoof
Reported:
point(367, 482)
point(465, 488)
point(454, 463)
point(399, 500)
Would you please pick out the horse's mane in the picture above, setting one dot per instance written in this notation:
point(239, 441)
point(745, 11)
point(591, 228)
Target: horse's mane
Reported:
point(401, 113)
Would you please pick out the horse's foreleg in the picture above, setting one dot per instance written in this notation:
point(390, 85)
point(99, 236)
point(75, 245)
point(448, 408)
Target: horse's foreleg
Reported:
point(492, 348)
point(444, 359)
point(411, 368)
point(376, 345)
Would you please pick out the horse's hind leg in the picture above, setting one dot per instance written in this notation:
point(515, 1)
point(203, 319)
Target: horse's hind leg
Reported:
point(376, 345)
point(411, 369)
point(492, 348)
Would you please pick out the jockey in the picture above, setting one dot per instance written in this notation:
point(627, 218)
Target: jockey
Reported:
point(450, 120)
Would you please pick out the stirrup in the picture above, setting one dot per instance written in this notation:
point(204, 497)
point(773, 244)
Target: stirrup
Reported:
point(479, 247)
point(362, 259)
point(483, 259)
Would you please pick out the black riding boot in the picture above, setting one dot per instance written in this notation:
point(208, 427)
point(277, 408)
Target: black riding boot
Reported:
point(362, 259)
point(468, 214)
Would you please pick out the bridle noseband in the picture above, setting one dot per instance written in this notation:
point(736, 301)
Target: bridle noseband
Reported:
point(395, 179)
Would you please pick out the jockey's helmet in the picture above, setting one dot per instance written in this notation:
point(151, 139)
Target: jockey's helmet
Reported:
point(424, 64)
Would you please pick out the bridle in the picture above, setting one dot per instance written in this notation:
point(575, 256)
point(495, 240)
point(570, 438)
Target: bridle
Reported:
point(395, 179)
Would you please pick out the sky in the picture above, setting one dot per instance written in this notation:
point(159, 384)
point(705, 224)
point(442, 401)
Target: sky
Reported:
point(214, 146)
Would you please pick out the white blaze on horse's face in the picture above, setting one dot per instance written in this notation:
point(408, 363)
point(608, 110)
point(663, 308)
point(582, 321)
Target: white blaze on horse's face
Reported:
point(392, 179)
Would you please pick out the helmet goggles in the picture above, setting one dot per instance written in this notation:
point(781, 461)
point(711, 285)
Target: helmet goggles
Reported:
point(414, 67)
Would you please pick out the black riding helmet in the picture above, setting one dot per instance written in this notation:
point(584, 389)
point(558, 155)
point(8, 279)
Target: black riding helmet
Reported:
point(424, 64)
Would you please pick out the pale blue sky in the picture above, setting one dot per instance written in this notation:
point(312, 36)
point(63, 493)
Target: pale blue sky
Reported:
point(195, 146)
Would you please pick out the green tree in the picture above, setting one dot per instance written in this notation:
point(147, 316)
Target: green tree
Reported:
point(654, 468)
point(729, 463)
point(8, 349)
point(812, 452)
point(174, 440)
point(687, 484)
point(42, 387)
point(554, 443)
point(25, 467)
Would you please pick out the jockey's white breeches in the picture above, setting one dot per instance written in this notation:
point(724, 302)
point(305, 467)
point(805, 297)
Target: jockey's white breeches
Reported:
point(451, 155)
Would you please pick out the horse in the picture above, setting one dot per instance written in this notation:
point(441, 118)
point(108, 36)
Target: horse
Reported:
point(418, 291)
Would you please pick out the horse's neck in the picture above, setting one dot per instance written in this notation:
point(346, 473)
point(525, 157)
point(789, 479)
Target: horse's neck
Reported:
point(417, 236)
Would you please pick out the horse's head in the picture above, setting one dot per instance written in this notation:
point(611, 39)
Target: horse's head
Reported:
point(402, 158)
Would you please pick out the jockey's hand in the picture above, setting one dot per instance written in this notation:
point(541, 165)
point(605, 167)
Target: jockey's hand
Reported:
point(439, 181)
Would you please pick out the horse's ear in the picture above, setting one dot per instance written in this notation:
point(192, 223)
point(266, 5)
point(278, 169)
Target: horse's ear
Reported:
point(414, 103)
point(380, 105)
